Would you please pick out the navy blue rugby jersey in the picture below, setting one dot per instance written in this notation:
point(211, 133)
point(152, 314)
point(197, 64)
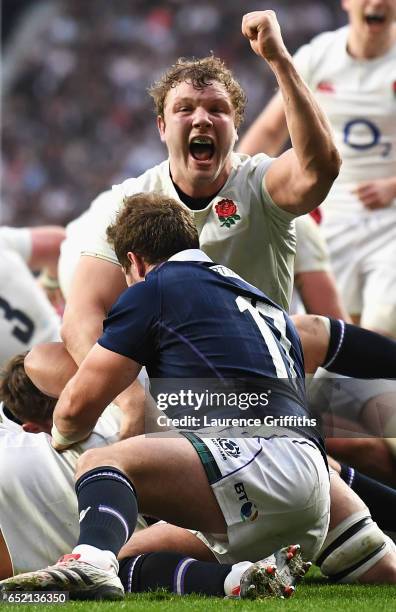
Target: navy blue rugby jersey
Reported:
point(199, 320)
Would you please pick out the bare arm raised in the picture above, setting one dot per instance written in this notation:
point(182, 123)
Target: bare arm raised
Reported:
point(300, 178)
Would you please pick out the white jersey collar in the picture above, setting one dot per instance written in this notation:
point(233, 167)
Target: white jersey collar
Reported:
point(190, 255)
point(6, 423)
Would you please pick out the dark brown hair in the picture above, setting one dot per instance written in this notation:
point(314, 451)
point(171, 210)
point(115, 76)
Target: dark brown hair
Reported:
point(152, 226)
point(21, 396)
point(201, 73)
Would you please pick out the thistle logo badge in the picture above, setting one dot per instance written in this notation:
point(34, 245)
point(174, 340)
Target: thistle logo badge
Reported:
point(226, 211)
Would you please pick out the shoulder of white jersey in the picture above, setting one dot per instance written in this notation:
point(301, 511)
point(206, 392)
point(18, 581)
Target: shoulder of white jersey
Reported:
point(150, 179)
point(6, 423)
point(314, 53)
point(326, 39)
point(248, 176)
point(17, 239)
point(250, 162)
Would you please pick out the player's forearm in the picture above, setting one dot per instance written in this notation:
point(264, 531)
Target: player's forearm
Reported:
point(319, 294)
point(392, 186)
point(96, 286)
point(75, 415)
point(81, 329)
point(46, 243)
point(132, 404)
point(308, 127)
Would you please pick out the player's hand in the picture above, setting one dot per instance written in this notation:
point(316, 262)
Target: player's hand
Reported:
point(50, 286)
point(59, 447)
point(376, 194)
point(262, 30)
point(61, 443)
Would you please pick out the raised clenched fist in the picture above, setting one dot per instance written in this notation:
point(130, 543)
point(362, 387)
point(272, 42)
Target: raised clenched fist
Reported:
point(262, 29)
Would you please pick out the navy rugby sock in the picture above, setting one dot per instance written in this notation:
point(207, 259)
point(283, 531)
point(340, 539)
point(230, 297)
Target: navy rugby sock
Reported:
point(360, 353)
point(173, 572)
point(107, 507)
point(380, 499)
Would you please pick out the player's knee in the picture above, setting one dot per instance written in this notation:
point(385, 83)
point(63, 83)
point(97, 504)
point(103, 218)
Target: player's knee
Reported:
point(352, 548)
point(93, 458)
point(311, 324)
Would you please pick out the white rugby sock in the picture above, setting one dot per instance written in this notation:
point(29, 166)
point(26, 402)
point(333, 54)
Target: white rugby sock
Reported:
point(103, 559)
point(233, 579)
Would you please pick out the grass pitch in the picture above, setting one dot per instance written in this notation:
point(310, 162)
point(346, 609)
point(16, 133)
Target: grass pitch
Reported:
point(313, 595)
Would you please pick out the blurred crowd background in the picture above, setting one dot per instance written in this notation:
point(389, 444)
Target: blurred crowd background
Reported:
point(76, 116)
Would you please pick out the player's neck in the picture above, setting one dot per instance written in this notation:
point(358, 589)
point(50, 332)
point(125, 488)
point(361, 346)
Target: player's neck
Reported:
point(369, 47)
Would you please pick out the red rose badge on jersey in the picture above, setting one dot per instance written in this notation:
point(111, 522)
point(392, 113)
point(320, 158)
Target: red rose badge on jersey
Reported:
point(227, 212)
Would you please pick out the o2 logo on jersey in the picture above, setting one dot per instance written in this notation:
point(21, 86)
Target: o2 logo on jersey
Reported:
point(362, 134)
point(230, 447)
point(249, 512)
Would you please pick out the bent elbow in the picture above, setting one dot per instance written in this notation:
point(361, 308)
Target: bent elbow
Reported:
point(334, 164)
point(326, 173)
point(66, 332)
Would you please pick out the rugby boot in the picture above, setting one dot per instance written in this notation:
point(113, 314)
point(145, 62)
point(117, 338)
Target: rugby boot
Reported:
point(275, 576)
point(81, 580)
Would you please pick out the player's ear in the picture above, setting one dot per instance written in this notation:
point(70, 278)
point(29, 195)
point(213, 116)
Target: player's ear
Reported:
point(138, 263)
point(161, 127)
point(31, 427)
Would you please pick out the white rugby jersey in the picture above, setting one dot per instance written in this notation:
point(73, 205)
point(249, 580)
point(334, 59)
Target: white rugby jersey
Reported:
point(241, 227)
point(38, 505)
point(359, 98)
point(26, 316)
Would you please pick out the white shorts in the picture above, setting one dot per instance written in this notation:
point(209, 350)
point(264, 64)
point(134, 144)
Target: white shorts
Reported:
point(272, 492)
point(363, 252)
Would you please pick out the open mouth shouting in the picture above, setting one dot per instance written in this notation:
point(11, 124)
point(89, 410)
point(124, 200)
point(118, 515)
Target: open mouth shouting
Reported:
point(375, 19)
point(202, 148)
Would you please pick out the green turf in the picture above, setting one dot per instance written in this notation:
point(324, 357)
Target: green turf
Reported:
point(310, 597)
point(314, 595)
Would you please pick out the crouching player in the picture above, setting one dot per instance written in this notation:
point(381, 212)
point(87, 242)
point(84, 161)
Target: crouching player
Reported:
point(190, 318)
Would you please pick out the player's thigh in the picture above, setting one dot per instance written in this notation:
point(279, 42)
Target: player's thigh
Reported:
point(343, 501)
point(169, 478)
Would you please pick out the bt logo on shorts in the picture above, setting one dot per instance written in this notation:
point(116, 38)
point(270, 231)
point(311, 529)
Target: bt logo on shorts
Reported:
point(229, 446)
point(249, 510)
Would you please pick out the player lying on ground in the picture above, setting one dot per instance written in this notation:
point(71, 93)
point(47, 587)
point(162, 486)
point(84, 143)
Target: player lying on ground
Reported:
point(32, 475)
